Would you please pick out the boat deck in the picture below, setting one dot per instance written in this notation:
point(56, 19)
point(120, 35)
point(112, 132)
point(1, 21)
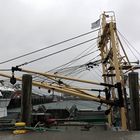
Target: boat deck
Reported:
point(69, 135)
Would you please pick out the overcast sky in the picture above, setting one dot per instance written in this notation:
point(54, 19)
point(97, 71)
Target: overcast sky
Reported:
point(27, 25)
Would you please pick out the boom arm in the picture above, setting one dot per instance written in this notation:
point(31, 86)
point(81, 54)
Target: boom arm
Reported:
point(61, 77)
point(65, 90)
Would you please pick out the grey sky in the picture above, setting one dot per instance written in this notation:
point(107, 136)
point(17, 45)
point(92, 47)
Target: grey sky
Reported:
point(27, 25)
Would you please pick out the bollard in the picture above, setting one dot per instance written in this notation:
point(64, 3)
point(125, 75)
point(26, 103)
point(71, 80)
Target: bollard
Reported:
point(26, 106)
point(134, 100)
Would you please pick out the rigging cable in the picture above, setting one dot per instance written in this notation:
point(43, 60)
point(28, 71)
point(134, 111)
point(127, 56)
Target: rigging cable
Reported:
point(73, 69)
point(99, 76)
point(75, 72)
point(63, 66)
point(44, 48)
point(76, 68)
point(99, 61)
point(70, 82)
point(79, 66)
point(34, 60)
point(72, 61)
point(83, 65)
point(128, 44)
point(77, 59)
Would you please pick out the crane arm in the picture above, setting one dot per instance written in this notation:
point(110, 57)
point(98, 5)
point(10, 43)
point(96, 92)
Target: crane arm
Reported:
point(61, 77)
point(65, 90)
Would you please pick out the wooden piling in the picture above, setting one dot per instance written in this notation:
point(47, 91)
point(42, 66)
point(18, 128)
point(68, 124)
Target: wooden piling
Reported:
point(26, 106)
point(134, 100)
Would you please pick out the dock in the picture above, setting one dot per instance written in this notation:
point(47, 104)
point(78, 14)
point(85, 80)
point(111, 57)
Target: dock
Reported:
point(68, 135)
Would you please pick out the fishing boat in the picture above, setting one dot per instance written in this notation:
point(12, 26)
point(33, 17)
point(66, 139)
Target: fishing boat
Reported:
point(4, 100)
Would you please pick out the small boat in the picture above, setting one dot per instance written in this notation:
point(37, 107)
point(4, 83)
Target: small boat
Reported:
point(4, 102)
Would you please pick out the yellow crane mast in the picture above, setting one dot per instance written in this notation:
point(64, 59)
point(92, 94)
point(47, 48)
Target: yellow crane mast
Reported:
point(114, 64)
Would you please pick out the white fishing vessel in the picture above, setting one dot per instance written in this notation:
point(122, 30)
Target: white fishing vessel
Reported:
point(4, 101)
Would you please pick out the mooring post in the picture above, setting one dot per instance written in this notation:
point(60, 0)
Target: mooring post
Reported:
point(134, 100)
point(26, 106)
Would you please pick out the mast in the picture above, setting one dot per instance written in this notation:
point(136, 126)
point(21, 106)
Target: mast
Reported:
point(113, 62)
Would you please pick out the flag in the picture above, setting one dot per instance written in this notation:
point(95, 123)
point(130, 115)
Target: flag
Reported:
point(95, 24)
